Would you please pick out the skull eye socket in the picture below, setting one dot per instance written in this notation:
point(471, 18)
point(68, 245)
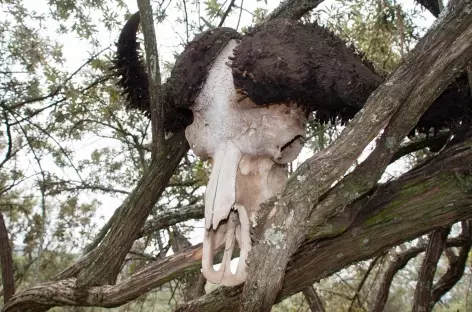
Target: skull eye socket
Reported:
point(290, 150)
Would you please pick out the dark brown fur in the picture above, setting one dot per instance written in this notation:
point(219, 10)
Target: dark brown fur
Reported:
point(280, 61)
point(128, 66)
point(189, 74)
point(187, 77)
point(286, 60)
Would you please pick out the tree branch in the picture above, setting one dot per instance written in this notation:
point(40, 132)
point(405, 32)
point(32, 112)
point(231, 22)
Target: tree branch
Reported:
point(226, 13)
point(172, 217)
point(398, 264)
point(373, 224)
point(456, 266)
point(428, 74)
point(437, 242)
point(376, 226)
point(152, 58)
point(314, 301)
point(293, 9)
point(7, 262)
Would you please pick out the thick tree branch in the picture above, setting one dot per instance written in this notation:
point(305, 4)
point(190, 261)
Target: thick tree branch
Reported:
point(427, 73)
point(376, 226)
point(437, 243)
point(6, 262)
point(152, 60)
point(431, 196)
point(64, 292)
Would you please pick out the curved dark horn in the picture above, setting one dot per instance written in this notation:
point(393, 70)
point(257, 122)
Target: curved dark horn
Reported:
point(129, 66)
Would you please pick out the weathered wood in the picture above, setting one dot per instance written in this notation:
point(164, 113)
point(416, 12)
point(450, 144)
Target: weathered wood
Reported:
point(378, 225)
point(430, 196)
point(405, 95)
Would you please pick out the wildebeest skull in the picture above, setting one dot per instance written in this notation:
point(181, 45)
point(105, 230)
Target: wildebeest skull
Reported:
point(248, 146)
point(249, 138)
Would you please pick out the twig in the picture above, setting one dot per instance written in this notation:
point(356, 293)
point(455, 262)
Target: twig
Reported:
point(56, 90)
point(240, 13)
point(225, 15)
point(8, 154)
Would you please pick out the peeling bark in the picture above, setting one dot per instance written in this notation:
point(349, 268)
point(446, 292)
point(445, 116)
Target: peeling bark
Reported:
point(429, 196)
point(374, 224)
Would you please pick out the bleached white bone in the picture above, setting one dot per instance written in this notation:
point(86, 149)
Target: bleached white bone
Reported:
point(246, 143)
point(220, 194)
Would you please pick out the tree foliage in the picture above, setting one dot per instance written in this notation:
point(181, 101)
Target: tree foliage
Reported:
point(71, 155)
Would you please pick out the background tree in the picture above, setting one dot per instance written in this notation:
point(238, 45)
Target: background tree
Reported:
point(70, 149)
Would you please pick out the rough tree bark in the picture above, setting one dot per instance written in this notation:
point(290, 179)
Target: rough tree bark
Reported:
point(399, 263)
point(433, 195)
point(396, 105)
point(430, 196)
point(375, 223)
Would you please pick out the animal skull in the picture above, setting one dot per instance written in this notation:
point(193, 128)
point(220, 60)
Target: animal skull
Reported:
point(248, 146)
